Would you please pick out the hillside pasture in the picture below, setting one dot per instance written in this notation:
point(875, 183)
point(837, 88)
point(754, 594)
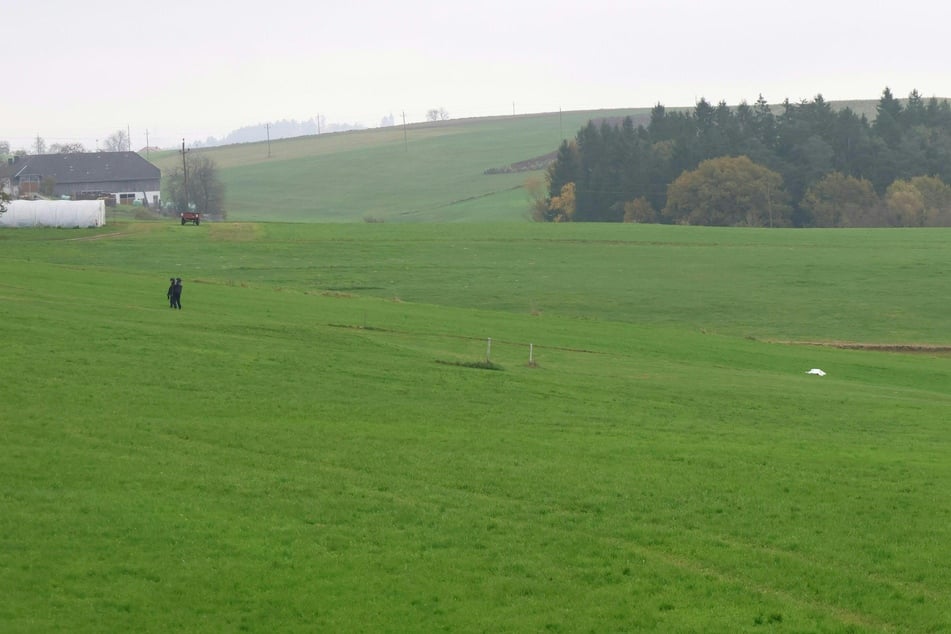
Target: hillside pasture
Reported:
point(434, 171)
point(303, 447)
point(429, 171)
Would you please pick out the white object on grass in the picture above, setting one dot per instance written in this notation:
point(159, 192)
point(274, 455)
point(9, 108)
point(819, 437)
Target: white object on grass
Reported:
point(54, 213)
point(816, 371)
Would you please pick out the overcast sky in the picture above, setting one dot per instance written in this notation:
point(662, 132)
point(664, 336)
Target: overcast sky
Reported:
point(79, 71)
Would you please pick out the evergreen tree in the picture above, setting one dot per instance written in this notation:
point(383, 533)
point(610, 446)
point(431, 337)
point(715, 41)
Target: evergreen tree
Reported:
point(588, 186)
point(851, 143)
point(613, 165)
point(565, 169)
point(659, 127)
point(630, 181)
point(764, 123)
point(915, 112)
point(887, 125)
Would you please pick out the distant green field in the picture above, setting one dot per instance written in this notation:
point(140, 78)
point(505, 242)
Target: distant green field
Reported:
point(429, 172)
point(306, 447)
point(435, 171)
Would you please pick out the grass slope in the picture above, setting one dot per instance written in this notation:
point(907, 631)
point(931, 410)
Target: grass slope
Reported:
point(433, 171)
point(296, 450)
point(425, 172)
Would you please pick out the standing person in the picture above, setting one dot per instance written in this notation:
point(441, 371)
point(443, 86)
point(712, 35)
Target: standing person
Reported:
point(177, 293)
point(171, 292)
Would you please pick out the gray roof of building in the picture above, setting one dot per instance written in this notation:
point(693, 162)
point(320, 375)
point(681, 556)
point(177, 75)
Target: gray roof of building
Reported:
point(88, 167)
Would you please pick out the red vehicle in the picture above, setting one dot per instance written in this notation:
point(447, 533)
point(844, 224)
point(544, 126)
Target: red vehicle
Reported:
point(191, 216)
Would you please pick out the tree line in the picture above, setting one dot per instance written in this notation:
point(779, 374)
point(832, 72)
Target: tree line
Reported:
point(116, 142)
point(808, 165)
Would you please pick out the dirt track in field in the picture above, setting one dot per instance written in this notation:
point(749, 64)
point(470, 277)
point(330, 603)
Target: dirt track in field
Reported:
point(877, 347)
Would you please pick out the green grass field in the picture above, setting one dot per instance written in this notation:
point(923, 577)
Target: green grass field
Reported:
point(431, 172)
point(435, 171)
point(303, 447)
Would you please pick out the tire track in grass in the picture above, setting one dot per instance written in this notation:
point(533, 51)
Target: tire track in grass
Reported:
point(908, 586)
point(96, 237)
point(359, 479)
point(699, 568)
point(694, 566)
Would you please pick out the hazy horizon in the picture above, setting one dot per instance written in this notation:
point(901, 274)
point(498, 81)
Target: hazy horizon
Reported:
point(192, 71)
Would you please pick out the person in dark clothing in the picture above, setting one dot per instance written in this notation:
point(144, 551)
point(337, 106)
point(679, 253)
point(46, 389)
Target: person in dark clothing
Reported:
point(171, 292)
point(177, 293)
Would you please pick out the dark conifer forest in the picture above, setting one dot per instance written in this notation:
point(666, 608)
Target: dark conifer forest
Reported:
point(799, 164)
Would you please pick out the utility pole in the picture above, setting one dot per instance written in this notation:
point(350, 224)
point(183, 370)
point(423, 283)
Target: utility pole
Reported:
point(405, 146)
point(185, 175)
point(267, 127)
point(146, 144)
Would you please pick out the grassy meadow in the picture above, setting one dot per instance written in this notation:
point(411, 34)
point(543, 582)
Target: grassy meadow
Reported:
point(426, 172)
point(310, 445)
point(430, 171)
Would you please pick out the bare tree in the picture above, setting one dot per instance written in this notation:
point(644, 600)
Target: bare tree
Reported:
point(205, 194)
point(437, 114)
point(48, 186)
point(118, 141)
point(67, 148)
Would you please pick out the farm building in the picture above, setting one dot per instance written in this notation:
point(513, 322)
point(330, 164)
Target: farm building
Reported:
point(54, 213)
point(122, 176)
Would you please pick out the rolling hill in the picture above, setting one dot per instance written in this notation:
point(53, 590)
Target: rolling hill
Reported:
point(424, 172)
